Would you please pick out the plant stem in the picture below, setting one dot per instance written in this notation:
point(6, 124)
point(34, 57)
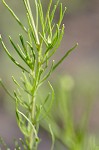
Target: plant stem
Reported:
point(32, 138)
point(33, 141)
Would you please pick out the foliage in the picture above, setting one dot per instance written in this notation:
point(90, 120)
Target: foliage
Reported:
point(36, 51)
point(68, 131)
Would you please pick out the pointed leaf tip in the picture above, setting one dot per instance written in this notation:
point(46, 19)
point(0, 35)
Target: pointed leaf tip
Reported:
point(63, 26)
point(65, 8)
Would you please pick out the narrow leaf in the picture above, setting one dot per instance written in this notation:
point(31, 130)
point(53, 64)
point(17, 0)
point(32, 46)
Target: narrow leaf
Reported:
point(43, 106)
point(21, 124)
point(51, 103)
point(61, 14)
point(20, 100)
point(52, 97)
point(36, 15)
point(50, 30)
point(53, 138)
point(53, 11)
point(9, 55)
point(15, 81)
point(25, 4)
point(67, 53)
point(48, 11)
point(21, 51)
point(44, 39)
point(31, 31)
point(31, 47)
point(6, 90)
point(22, 42)
point(16, 49)
point(13, 14)
point(33, 23)
point(35, 132)
point(41, 14)
point(50, 71)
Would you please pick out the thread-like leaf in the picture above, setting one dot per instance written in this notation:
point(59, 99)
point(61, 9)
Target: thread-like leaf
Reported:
point(22, 42)
point(21, 51)
point(53, 138)
point(25, 4)
point(38, 113)
point(50, 30)
point(52, 97)
point(53, 11)
point(16, 49)
point(6, 90)
point(21, 125)
point(41, 15)
point(50, 71)
point(21, 122)
point(46, 112)
point(27, 61)
point(61, 14)
point(35, 132)
point(14, 15)
point(31, 47)
point(32, 22)
point(48, 11)
point(44, 39)
point(43, 108)
point(9, 55)
point(27, 84)
point(30, 30)
point(67, 53)
point(20, 100)
point(36, 5)
point(15, 81)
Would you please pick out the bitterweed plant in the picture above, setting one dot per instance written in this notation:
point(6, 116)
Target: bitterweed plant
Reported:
point(43, 39)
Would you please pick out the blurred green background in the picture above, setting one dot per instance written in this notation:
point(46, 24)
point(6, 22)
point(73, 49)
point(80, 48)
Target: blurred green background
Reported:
point(82, 26)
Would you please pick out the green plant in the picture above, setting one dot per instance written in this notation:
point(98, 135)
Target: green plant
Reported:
point(92, 144)
point(70, 132)
point(36, 51)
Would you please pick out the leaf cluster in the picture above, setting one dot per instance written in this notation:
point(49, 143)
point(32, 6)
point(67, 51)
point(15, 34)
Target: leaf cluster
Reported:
point(35, 52)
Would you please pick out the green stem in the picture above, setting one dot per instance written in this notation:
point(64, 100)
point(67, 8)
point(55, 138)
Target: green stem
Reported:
point(33, 142)
point(32, 135)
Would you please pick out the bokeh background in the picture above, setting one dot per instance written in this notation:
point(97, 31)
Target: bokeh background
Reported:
point(82, 26)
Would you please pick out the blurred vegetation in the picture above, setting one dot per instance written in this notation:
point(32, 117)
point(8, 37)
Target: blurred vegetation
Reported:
point(71, 112)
